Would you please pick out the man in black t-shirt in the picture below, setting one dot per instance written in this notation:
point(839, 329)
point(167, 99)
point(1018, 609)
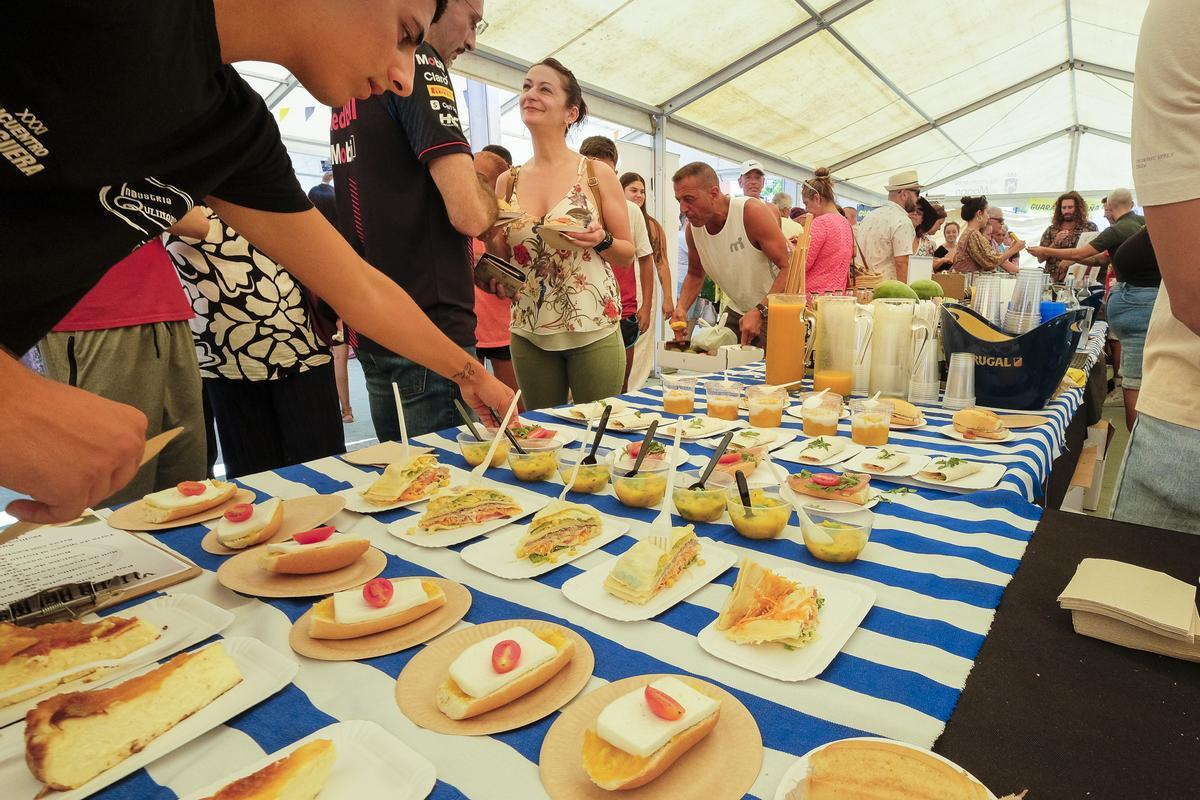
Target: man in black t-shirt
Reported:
point(408, 201)
point(162, 122)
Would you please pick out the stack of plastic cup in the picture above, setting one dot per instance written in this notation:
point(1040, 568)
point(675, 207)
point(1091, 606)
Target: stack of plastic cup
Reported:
point(960, 381)
point(985, 297)
point(925, 383)
point(1024, 309)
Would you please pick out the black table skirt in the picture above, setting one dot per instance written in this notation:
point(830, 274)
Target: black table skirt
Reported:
point(1089, 413)
point(1068, 716)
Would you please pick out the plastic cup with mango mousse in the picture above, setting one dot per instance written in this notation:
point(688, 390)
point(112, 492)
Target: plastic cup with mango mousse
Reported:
point(474, 451)
point(836, 539)
point(723, 398)
point(646, 489)
point(766, 404)
point(592, 478)
point(697, 505)
point(766, 517)
point(679, 395)
point(539, 462)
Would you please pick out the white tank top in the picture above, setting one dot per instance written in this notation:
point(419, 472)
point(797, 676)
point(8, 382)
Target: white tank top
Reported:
point(743, 272)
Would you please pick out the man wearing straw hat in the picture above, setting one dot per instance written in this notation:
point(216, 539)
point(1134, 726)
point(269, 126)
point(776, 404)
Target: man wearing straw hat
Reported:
point(738, 243)
point(884, 239)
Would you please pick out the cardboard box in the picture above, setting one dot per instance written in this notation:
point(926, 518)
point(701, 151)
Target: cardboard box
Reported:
point(1088, 479)
point(727, 357)
point(954, 284)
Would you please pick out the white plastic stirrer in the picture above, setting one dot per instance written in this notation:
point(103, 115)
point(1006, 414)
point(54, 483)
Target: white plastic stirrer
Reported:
point(583, 445)
point(477, 473)
point(400, 416)
point(660, 529)
point(815, 400)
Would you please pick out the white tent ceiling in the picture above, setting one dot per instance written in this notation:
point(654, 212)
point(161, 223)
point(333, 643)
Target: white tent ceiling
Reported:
point(1017, 97)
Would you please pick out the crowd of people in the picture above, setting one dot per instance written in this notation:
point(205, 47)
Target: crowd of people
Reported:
point(251, 347)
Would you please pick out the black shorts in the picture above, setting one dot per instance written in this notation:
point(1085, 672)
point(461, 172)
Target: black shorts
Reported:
point(629, 331)
point(493, 353)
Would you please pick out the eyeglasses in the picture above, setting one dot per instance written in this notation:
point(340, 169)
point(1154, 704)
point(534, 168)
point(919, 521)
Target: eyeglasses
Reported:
point(996, 219)
point(480, 26)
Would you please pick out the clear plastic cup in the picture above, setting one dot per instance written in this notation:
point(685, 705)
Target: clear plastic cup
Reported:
point(985, 296)
point(697, 505)
point(644, 490)
point(766, 404)
point(592, 478)
point(836, 539)
point(766, 517)
point(870, 421)
point(538, 463)
point(822, 418)
point(723, 398)
point(960, 381)
point(474, 451)
point(679, 395)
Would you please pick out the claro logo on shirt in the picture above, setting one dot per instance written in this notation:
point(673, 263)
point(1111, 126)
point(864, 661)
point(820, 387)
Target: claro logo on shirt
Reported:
point(147, 205)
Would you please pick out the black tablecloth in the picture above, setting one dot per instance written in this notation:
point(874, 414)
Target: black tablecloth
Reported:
point(1089, 413)
point(1068, 716)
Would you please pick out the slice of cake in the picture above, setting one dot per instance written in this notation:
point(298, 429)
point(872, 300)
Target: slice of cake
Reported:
point(73, 737)
point(299, 776)
point(29, 654)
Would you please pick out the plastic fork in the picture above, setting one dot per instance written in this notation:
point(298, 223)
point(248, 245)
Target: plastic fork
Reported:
point(660, 529)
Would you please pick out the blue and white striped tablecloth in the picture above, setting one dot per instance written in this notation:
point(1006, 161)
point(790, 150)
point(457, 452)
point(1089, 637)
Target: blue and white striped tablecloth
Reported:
point(937, 563)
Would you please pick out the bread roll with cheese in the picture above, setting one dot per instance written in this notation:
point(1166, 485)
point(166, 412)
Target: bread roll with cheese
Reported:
point(263, 523)
point(292, 558)
point(171, 504)
point(545, 652)
point(324, 624)
point(979, 422)
point(628, 746)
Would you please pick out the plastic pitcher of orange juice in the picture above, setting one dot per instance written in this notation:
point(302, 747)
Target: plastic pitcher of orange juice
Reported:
point(786, 335)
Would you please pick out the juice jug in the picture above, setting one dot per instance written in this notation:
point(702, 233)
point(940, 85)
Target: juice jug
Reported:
point(786, 331)
point(835, 345)
point(891, 346)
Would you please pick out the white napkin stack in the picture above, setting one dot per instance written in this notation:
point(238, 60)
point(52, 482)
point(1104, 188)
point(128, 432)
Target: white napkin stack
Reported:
point(1134, 607)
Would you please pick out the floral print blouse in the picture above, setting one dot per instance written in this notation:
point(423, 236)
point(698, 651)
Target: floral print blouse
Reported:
point(569, 291)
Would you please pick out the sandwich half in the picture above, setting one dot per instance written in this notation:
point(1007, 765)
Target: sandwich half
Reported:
point(460, 506)
point(766, 607)
point(644, 570)
point(560, 526)
point(979, 423)
point(415, 480)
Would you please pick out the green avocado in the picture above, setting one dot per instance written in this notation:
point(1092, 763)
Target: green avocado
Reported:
point(927, 290)
point(890, 289)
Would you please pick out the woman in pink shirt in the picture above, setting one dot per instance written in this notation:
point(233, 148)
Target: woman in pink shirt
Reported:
point(831, 242)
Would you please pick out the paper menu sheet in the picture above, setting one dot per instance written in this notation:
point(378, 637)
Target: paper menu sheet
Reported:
point(49, 557)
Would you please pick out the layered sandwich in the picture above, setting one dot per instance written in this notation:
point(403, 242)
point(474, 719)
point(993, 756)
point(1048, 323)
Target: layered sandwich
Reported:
point(979, 423)
point(298, 776)
point(559, 527)
point(185, 499)
point(638, 736)
point(849, 487)
point(462, 506)
point(644, 570)
point(905, 413)
point(415, 480)
point(30, 655)
point(767, 607)
point(73, 737)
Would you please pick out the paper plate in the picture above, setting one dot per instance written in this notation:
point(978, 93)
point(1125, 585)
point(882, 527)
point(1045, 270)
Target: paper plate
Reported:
point(132, 517)
point(725, 763)
point(827, 506)
point(553, 235)
point(948, 430)
point(698, 427)
point(417, 686)
point(529, 503)
point(790, 789)
point(243, 574)
point(384, 453)
point(846, 603)
point(497, 553)
point(419, 631)
point(299, 514)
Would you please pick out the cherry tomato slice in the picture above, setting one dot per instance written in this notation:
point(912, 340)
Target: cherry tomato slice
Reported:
point(540, 433)
point(315, 535)
point(662, 704)
point(191, 488)
point(825, 479)
point(239, 513)
point(378, 592)
point(634, 449)
point(505, 656)
point(729, 458)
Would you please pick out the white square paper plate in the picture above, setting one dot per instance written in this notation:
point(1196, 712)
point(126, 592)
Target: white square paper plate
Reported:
point(582, 412)
point(846, 604)
point(357, 503)
point(497, 553)
point(792, 452)
point(371, 762)
point(529, 502)
point(916, 462)
point(264, 672)
point(986, 478)
point(184, 620)
point(707, 427)
point(587, 589)
point(775, 438)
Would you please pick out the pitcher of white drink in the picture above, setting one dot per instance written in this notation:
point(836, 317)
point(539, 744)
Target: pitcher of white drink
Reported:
point(891, 346)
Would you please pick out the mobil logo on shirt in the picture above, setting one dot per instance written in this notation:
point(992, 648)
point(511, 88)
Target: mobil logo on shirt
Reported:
point(339, 120)
point(427, 60)
point(342, 152)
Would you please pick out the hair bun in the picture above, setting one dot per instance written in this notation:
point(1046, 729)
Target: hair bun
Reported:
point(966, 199)
point(822, 172)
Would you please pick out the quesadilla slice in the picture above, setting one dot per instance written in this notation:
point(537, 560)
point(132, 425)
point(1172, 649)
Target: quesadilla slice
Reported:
point(459, 506)
point(947, 469)
point(884, 460)
point(644, 570)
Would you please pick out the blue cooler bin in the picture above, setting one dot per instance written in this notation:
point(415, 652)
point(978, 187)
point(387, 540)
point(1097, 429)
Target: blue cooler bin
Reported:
point(1016, 372)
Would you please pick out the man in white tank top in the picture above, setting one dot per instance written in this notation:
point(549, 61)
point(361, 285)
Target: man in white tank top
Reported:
point(738, 243)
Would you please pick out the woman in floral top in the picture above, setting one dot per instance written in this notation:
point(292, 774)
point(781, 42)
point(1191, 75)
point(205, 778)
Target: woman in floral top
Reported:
point(565, 317)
